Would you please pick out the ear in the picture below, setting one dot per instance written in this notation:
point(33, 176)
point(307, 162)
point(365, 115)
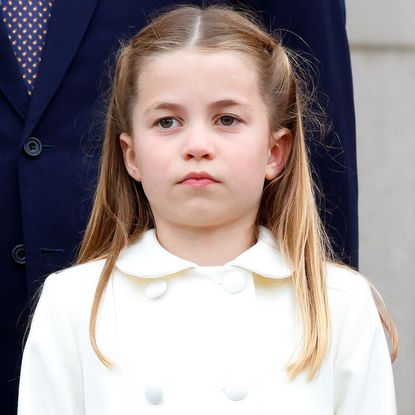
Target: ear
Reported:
point(278, 152)
point(130, 160)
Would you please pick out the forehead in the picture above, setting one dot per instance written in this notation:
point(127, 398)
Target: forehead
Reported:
point(207, 75)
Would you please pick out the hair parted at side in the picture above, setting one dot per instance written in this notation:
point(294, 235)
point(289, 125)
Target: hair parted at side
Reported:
point(121, 211)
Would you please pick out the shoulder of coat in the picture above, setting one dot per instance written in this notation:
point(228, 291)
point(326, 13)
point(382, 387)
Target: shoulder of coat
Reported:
point(346, 280)
point(79, 275)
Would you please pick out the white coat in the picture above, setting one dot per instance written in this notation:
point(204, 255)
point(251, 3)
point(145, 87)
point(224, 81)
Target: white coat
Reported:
point(188, 339)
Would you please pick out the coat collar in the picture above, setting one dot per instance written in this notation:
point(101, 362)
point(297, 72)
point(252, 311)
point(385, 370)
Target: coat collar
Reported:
point(146, 258)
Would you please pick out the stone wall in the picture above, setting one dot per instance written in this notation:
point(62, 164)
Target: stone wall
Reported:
point(382, 41)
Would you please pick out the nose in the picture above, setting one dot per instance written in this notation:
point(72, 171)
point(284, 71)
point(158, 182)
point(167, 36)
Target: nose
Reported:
point(198, 144)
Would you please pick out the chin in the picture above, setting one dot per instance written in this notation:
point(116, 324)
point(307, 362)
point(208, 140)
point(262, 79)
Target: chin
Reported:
point(201, 219)
point(202, 222)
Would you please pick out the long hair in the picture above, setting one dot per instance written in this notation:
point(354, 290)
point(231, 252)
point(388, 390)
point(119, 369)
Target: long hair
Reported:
point(121, 211)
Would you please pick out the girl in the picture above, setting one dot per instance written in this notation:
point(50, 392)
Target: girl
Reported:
point(204, 284)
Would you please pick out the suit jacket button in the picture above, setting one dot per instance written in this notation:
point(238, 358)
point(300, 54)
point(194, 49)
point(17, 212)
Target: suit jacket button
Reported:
point(156, 289)
point(18, 254)
point(33, 147)
point(234, 282)
point(154, 394)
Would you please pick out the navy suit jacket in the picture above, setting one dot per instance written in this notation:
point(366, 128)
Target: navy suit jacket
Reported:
point(49, 143)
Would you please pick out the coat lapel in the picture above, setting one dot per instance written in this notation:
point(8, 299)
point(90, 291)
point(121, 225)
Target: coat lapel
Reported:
point(11, 81)
point(65, 31)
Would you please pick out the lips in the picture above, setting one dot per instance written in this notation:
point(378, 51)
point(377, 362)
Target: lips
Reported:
point(198, 179)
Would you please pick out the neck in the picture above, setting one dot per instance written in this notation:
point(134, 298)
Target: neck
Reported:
point(207, 246)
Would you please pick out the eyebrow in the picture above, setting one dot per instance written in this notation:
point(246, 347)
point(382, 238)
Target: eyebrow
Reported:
point(217, 104)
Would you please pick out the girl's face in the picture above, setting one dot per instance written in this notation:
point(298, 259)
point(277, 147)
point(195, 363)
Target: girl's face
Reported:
point(201, 144)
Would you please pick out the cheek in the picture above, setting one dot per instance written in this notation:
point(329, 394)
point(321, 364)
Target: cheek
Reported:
point(249, 171)
point(252, 160)
point(153, 167)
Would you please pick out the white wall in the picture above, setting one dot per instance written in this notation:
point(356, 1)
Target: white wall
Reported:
point(382, 40)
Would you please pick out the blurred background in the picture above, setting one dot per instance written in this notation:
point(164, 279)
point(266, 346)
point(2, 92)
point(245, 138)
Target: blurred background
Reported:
point(382, 42)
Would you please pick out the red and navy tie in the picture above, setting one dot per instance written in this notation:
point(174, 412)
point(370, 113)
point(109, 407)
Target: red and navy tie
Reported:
point(26, 22)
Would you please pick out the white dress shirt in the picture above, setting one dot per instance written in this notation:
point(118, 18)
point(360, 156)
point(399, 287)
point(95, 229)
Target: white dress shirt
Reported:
point(188, 339)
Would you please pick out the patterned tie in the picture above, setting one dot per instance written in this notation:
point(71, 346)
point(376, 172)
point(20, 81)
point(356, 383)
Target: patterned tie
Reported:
point(26, 22)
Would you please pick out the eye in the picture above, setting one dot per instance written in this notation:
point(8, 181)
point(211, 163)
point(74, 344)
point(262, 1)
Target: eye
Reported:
point(166, 123)
point(229, 121)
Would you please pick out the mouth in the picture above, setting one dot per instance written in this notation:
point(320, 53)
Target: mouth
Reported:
point(198, 179)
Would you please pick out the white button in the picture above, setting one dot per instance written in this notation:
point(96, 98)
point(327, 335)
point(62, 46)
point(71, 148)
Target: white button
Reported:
point(154, 394)
point(156, 289)
point(234, 282)
point(236, 393)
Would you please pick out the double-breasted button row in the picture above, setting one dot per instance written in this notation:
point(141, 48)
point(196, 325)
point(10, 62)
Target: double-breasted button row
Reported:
point(154, 393)
point(233, 283)
point(33, 147)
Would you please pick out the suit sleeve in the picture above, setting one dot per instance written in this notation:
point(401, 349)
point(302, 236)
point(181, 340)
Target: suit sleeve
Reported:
point(363, 371)
point(51, 378)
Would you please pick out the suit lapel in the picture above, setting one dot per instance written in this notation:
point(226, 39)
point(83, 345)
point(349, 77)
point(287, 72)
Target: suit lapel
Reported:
point(66, 28)
point(11, 81)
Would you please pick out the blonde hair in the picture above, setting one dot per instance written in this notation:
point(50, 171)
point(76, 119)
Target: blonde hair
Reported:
point(121, 212)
